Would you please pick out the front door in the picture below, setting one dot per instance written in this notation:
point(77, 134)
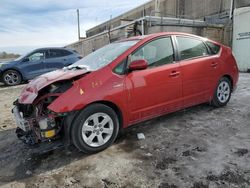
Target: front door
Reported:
point(33, 65)
point(158, 89)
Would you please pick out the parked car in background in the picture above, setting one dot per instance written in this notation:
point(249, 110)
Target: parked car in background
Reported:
point(35, 63)
point(123, 83)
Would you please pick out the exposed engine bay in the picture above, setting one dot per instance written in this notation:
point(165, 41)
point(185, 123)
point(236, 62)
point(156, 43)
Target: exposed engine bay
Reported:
point(36, 123)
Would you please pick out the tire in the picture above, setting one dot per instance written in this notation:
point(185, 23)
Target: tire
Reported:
point(222, 92)
point(89, 132)
point(11, 78)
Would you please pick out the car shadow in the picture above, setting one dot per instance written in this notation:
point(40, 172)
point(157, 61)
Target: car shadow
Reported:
point(18, 161)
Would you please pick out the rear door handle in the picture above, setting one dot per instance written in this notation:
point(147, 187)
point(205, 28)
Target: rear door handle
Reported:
point(174, 73)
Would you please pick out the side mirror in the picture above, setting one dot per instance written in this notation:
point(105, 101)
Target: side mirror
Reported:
point(140, 64)
point(25, 59)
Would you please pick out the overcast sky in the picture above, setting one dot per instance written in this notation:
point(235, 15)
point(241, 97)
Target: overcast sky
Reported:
point(26, 24)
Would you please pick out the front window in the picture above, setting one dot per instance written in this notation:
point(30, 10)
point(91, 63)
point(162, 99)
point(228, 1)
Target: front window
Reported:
point(104, 55)
point(36, 56)
point(157, 53)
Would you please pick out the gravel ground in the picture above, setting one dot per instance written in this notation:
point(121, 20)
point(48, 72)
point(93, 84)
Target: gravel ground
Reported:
point(199, 147)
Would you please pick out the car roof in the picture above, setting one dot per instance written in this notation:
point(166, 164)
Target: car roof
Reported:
point(160, 34)
point(54, 48)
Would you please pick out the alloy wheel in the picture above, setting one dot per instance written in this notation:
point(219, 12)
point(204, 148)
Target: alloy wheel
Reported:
point(11, 78)
point(97, 129)
point(223, 91)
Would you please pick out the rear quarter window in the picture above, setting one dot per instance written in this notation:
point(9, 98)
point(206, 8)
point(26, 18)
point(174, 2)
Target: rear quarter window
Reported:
point(214, 48)
point(66, 52)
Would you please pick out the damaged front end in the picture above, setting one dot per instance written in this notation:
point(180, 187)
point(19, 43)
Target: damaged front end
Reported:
point(36, 124)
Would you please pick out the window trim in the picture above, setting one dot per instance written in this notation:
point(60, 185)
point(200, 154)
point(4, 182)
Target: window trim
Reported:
point(190, 37)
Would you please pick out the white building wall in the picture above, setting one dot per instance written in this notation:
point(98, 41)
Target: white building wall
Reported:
point(241, 38)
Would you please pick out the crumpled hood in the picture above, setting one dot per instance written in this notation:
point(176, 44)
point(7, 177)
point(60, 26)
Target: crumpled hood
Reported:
point(30, 92)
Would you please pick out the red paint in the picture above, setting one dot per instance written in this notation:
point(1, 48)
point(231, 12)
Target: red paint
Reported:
point(138, 65)
point(142, 94)
point(30, 92)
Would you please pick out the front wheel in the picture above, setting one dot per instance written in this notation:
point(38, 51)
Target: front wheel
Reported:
point(12, 78)
point(95, 128)
point(222, 93)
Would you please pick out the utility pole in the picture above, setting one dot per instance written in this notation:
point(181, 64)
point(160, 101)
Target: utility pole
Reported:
point(232, 9)
point(157, 8)
point(109, 28)
point(78, 24)
point(142, 22)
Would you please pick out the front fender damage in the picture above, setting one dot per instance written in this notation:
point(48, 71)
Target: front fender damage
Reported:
point(31, 91)
point(36, 124)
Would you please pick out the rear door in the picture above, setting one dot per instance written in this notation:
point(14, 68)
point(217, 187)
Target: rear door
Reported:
point(198, 69)
point(58, 58)
point(157, 89)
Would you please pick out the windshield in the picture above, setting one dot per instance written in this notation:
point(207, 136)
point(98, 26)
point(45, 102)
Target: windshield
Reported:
point(103, 56)
point(20, 57)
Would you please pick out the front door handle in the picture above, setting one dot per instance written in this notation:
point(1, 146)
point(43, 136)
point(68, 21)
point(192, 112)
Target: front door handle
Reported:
point(214, 64)
point(174, 73)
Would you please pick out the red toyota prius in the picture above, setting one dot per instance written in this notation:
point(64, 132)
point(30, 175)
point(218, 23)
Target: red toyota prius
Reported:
point(123, 83)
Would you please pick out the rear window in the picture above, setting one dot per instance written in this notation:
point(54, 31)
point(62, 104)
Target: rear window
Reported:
point(214, 48)
point(191, 48)
point(58, 53)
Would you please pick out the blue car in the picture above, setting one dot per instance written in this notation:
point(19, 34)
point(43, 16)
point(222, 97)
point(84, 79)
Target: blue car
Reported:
point(35, 63)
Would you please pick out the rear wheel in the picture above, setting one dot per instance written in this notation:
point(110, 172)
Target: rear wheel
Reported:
point(222, 93)
point(95, 128)
point(12, 77)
